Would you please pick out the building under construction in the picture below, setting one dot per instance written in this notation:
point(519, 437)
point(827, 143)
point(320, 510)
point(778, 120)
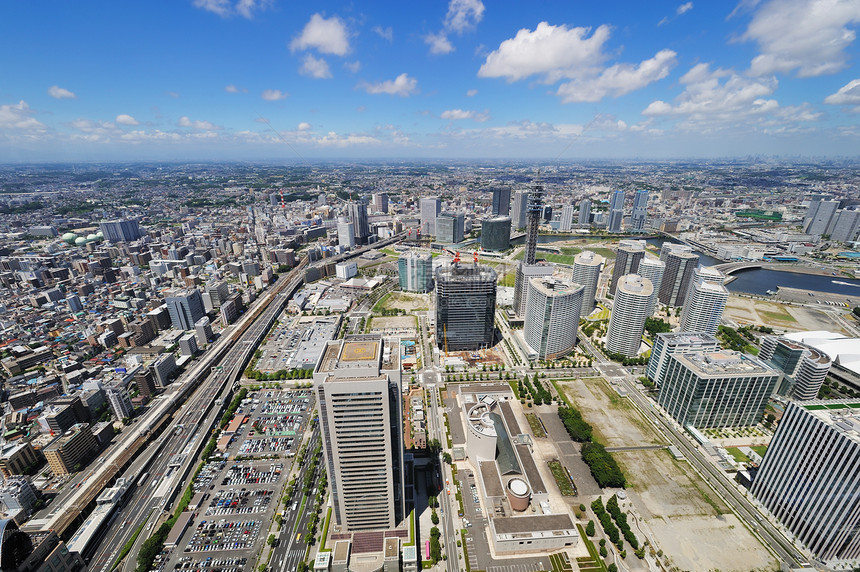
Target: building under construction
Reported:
point(465, 306)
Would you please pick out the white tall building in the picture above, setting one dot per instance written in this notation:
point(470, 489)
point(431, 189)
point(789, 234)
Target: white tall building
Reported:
point(519, 210)
point(345, 236)
point(552, 316)
point(846, 226)
point(629, 310)
point(430, 207)
point(805, 367)
point(708, 274)
point(380, 202)
point(566, 222)
point(357, 382)
point(652, 269)
point(809, 479)
point(704, 307)
point(818, 217)
point(586, 271)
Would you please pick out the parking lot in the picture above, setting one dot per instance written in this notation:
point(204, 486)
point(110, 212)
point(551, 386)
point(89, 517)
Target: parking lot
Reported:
point(276, 420)
point(221, 535)
point(239, 502)
point(192, 564)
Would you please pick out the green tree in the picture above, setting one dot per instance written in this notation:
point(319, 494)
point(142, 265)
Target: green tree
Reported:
point(589, 530)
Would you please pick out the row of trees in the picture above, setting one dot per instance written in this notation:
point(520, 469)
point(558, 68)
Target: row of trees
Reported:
point(620, 518)
point(603, 467)
point(538, 392)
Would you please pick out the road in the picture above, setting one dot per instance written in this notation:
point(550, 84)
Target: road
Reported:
point(447, 500)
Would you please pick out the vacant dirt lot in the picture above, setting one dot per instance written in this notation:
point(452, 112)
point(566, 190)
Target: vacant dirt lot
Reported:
point(781, 317)
point(407, 301)
point(676, 510)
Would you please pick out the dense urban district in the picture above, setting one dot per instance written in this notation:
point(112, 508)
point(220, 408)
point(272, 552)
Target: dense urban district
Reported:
point(498, 367)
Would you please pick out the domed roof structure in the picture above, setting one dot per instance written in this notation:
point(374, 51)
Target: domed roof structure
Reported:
point(80, 241)
point(15, 546)
point(69, 237)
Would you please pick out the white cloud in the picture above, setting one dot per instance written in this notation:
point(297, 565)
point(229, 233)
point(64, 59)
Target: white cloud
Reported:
point(225, 8)
point(472, 93)
point(327, 36)
point(848, 94)
point(552, 51)
point(402, 85)
point(459, 114)
point(606, 122)
point(235, 89)
point(184, 121)
point(384, 33)
point(332, 139)
point(809, 37)
point(438, 43)
point(19, 117)
point(354, 67)
point(683, 8)
point(463, 14)
point(59, 93)
point(304, 126)
point(618, 79)
point(274, 94)
point(125, 119)
point(315, 67)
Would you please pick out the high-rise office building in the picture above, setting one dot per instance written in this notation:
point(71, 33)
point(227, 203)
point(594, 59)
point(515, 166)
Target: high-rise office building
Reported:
point(616, 211)
point(380, 203)
point(496, 233)
point(640, 210)
point(805, 367)
point(450, 227)
point(629, 311)
point(120, 230)
point(808, 478)
point(345, 233)
point(519, 209)
point(430, 208)
point(415, 271)
point(552, 316)
point(501, 201)
point(203, 331)
point(524, 273)
point(185, 308)
point(847, 225)
point(357, 382)
point(652, 269)
point(566, 222)
point(716, 389)
point(630, 254)
point(360, 225)
point(704, 307)
point(667, 344)
point(584, 212)
point(818, 217)
point(586, 271)
point(465, 306)
point(681, 263)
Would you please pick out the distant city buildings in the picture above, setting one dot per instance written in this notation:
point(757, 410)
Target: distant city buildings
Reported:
point(616, 211)
point(120, 230)
point(640, 211)
point(429, 210)
point(501, 202)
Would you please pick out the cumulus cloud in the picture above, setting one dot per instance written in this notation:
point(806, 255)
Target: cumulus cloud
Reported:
point(354, 67)
point(19, 117)
point(618, 79)
point(439, 43)
point(459, 114)
point(315, 67)
point(226, 8)
point(184, 121)
point(304, 126)
point(472, 93)
point(552, 51)
point(402, 85)
point(235, 89)
point(125, 119)
point(327, 36)
point(463, 15)
point(384, 33)
point(274, 94)
point(808, 37)
point(848, 94)
point(684, 8)
point(59, 93)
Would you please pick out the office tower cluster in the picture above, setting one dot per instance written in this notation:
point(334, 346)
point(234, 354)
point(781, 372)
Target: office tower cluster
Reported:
point(823, 217)
point(450, 227)
point(465, 306)
point(616, 211)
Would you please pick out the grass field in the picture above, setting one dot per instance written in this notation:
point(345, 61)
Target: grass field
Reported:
point(535, 425)
point(561, 478)
point(738, 456)
point(508, 279)
point(605, 252)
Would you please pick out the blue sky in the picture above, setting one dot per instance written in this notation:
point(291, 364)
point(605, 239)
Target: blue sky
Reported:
point(274, 79)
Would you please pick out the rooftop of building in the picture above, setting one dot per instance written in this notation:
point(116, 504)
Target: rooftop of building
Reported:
point(554, 286)
point(843, 415)
point(66, 437)
point(725, 362)
point(466, 272)
point(588, 258)
point(360, 351)
point(688, 338)
point(635, 284)
point(516, 525)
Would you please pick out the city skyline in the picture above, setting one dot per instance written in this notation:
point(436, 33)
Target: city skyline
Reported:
point(263, 79)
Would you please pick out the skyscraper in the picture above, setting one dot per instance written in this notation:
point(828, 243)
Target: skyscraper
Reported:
point(640, 204)
point(501, 201)
point(524, 273)
point(358, 383)
point(586, 271)
point(430, 207)
point(818, 217)
point(716, 389)
point(630, 254)
point(520, 208)
point(629, 310)
point(120, 230)
point(616, 211)
point(681, 262)
point(652, 269)
point(847, 225)
point(360, 226)
point(584, 212)
point(805, 367)
point(552, 316)
point(667, 344)
point(345, 233)
point(566, 221)
point(496, 233)
point(465, 306)
point(704, 307)
point(380, 203)
point(415, 272)
point(524, 269)
point(449, 227)
point(185, 308)
point(808, 479)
